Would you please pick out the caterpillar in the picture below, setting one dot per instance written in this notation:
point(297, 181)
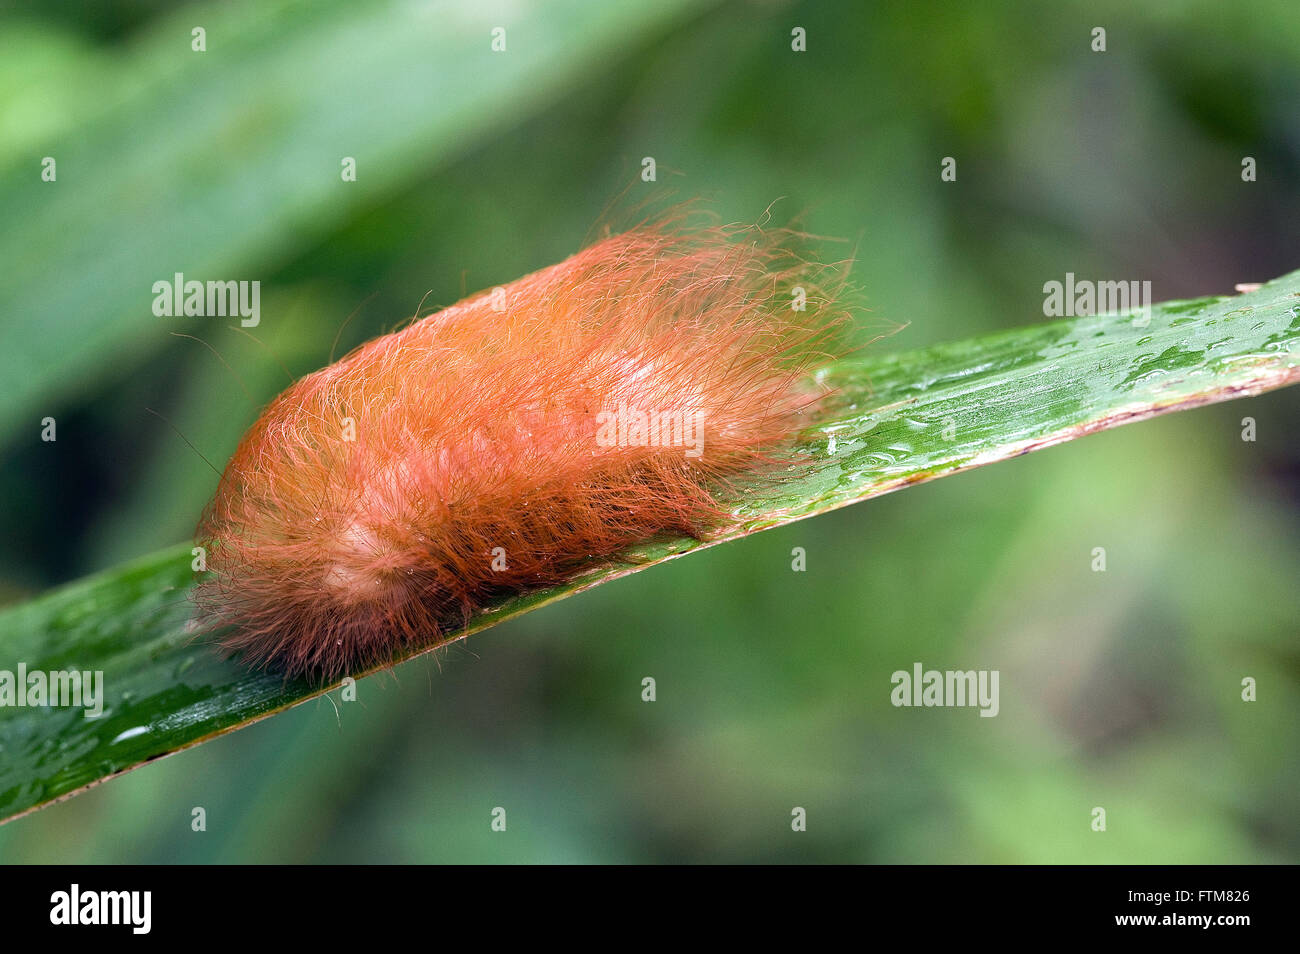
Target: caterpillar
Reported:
point(513, 439)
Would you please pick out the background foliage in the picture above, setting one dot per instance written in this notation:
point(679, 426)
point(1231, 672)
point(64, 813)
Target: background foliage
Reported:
point(773, 686)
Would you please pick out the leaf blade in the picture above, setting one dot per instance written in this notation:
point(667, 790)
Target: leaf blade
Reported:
point(898, 420)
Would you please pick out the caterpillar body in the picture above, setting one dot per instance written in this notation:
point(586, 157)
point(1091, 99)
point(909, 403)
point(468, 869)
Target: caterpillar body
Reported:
point(509, 441)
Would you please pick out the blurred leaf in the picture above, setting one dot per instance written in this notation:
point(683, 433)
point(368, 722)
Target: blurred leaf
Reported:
point(218, 164)
point(897, 420)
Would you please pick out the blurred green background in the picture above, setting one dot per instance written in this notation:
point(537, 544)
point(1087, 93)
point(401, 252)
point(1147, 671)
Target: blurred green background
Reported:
point(1118, 689)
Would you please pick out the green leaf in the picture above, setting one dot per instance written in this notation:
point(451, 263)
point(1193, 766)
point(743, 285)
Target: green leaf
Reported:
point(898, 419)
point(218, 164)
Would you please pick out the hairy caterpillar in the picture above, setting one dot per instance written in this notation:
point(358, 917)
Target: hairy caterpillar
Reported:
point(506, 442)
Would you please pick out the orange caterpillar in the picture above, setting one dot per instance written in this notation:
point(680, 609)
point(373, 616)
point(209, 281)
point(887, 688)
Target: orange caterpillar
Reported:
point(509, 441)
